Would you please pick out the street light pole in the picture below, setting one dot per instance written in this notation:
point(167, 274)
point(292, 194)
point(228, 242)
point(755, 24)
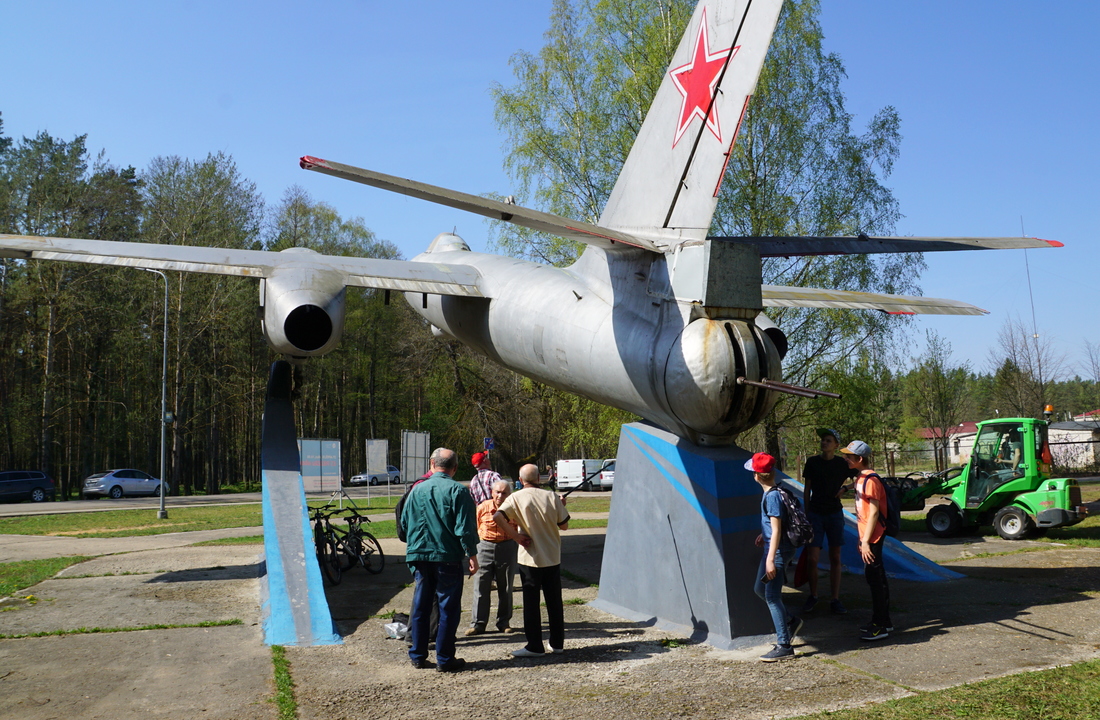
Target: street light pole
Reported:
point(162, 514)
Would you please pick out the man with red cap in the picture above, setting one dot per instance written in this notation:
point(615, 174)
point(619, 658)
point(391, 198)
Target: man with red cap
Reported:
point(481, 486)
point(778, 552)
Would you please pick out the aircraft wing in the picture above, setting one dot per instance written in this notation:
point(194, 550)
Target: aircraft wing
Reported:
point(780, 296)
point(864, 245)
point(400, 275)
point(525, 217)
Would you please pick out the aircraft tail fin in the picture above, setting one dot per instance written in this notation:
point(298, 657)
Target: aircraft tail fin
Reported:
point(671, 178)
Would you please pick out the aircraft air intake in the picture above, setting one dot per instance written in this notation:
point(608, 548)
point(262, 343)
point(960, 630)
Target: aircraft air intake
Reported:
point(308, 327)
point(303, 311)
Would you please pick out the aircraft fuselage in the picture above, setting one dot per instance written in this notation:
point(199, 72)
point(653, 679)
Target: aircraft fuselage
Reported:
point(603, 328)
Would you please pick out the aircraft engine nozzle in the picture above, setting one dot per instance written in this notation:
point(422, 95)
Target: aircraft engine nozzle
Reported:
point(300, 319)
point(701, 377)
point(308, 328)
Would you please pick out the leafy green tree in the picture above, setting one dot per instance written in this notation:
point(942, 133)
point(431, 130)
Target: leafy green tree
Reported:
point(213, 332)
point(576, 107)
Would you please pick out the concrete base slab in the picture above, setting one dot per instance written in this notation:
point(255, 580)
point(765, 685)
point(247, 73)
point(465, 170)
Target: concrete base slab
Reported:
point(139, 589)
point(181, 674)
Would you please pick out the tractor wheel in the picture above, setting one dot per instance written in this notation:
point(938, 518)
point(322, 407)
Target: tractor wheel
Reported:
point(943, 520)
point(1012, 523)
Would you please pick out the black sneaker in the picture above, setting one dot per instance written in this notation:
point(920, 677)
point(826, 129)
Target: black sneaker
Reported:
point(874, 632)
point(794, 625)
point(779, 652)
point(811, 603)
point(452, 665)
point(837, 607)
point(867, 628)
point(422, 664)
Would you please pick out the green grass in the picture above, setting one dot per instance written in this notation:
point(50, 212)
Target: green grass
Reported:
point(284, 684)
point(373, 504)
point(577, 503)
point(95, 630)
point(577, 523)
point(25, 573)
point(126, 523)
point(246, 540)
point(1065, 693)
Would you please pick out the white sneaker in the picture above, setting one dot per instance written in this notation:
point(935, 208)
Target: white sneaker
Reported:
point(524, 652)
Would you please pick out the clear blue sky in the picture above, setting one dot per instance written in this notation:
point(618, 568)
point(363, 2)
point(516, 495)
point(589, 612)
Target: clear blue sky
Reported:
point(994, 98)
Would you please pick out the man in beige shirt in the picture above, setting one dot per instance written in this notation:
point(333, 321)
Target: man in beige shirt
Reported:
point(540, 515)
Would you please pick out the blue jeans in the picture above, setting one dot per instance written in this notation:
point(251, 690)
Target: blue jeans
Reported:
point(442, 581)
point(772, 593)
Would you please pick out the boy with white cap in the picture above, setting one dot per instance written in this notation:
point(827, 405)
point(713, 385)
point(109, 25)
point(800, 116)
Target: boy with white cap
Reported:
point(871, 523)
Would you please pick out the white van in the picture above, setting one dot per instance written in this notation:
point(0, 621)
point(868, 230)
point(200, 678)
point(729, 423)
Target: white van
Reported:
point(571, 473)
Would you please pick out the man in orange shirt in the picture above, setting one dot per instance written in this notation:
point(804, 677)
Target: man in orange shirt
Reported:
point(496, 557)
point(871, 523)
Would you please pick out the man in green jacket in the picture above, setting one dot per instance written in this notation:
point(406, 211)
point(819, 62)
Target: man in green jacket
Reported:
point(440, 523)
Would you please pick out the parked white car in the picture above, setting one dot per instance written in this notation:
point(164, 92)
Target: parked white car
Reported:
point(117, 483)
point(607, 477)
point(391, 476)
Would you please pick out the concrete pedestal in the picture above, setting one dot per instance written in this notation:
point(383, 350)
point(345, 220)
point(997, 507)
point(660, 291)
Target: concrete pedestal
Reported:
point(680, 549)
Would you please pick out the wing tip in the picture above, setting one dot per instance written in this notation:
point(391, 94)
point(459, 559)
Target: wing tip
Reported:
point(308, 162)
point(1052, 243)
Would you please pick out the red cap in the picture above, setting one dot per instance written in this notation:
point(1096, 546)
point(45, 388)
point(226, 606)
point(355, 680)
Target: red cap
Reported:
point(761, 463)
point(477, 458)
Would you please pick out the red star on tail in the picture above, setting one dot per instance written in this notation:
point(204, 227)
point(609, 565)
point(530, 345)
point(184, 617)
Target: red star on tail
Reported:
point(697, 81)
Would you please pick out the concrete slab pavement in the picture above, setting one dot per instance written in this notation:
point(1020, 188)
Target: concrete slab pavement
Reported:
point(1012, 612)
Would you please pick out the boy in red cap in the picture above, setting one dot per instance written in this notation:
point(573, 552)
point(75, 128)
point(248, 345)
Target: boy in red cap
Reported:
point(780, 551)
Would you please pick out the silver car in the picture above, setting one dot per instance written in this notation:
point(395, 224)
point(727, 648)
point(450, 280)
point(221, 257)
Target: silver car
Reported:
point(391, 476)
point(117, 483)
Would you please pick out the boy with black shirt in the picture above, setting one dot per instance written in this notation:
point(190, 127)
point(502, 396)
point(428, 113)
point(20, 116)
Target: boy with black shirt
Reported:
point(824, 477)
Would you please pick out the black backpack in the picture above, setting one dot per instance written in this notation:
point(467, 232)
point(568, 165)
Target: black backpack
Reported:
point(401, 506)
point(796, 525)
point(891, 514)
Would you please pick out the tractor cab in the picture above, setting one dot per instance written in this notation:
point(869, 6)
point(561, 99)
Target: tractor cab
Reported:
point(998, 458)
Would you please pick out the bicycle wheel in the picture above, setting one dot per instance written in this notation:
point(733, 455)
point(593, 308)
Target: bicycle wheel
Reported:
point(350, 549)
point(372, 556)
point(328, 556)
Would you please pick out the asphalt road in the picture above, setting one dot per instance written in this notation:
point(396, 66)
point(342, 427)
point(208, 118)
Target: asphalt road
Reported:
point(153, 503)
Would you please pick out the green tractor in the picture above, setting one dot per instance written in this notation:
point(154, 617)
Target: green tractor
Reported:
point(1007, 484)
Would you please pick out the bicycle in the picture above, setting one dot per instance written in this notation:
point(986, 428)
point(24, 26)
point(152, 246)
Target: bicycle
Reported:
point(327, 544)
point(359, 546)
